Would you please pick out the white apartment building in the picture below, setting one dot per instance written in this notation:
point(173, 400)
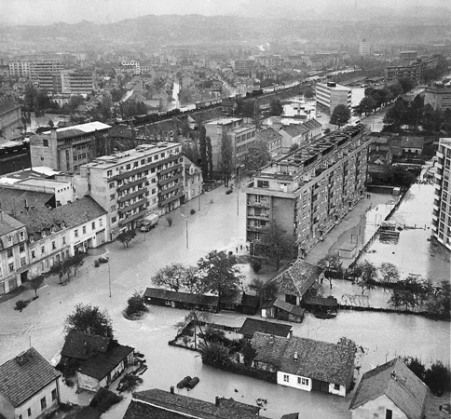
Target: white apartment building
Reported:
point(441, 216)
point(132, 184)
point(329, 95)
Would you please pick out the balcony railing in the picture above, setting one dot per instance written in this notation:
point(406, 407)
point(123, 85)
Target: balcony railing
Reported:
point(128, 185)
point(170, 199)
point(131, 207)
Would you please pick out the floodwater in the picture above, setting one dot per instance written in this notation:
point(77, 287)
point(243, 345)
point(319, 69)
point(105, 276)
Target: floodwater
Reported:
point(220, 224)
point(413, 253)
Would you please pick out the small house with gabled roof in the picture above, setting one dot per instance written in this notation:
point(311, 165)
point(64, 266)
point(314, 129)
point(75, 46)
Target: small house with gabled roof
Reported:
point(29, 387)
point(390, 391)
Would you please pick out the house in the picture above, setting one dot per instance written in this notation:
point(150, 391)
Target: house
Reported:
point(29, 387)
point(272, 139)
point(181, 300)
point(98, 360)
point(389, 391)
point(162, 404)
point(292, 134)
point(326, 305)
point(193, 180)
point(298, 280)
point(407, 146)
point(281, 310)
point(250, 326)
point(306, 364)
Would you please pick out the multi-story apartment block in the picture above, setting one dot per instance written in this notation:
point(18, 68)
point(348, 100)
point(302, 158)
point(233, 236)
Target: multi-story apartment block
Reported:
point(413, 72)
point(308, 191)
point(55, 234)
point(44, 68)
point(134, 183)
point(19, 69)
point(240, 135)
point(76, 82)
point(441, 216)
point(133, 67)
point(10, 118)
point(329, 95)
point(13, 253)
point(66, 149)
point(438, 96)
point(365, 47)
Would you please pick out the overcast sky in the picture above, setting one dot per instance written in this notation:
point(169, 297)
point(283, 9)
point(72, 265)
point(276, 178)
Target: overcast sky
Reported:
point(104, 11)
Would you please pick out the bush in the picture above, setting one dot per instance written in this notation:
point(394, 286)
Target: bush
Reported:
point(135, 305)
point(193, 211)
point(104, 399)
point(169, 220)
point(256, 266)
point(438, 378)
point(20, 305)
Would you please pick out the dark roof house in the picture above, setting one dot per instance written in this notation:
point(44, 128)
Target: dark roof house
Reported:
point(24, 376)
point(80, 345)
point(398, 383)
point(250, 326)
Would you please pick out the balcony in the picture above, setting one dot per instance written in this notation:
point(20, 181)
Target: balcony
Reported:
point(170, 199)
point(162, 182)
point(258, 204)
point(132, 206)
point(128, 185)
point(171, 189)
point(176, 167)
point(438, 175)
point(132, 195)
point(133, 217)
point(258, 216)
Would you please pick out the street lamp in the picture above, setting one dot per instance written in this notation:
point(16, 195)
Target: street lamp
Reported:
point(186, 228)
point(109, 276)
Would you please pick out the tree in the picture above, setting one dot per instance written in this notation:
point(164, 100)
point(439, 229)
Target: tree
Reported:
point(172, 276)
point(395, 88)
point(36, 283)
point(438, 378)
point(367, 104)
point(389, 273)
point(191, 279)
point(406, 84)
point(136, 305)
point(217, 274)
point(275, 244)
point(340, 115)
point(276, 107)
point(51, 124)
point(226, 162)
point(258, 156)
point(126, 236)
point(368, 276)
point(249, 353)
point(203, 152)
point(89, 319)
point(416, 366)
point(195, 318)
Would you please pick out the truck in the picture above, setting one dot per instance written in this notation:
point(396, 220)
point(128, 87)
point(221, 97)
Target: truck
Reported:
point(149, 222)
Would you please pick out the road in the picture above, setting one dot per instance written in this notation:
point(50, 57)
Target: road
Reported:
point(218, 225)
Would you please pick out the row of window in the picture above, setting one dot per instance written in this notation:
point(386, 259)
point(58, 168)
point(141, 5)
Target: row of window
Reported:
point(43, 404)
point(301, 380)
point(9, 237)
point(84, 229)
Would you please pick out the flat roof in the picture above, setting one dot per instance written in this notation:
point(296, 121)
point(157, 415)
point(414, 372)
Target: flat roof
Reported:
point(84, 128)
point(46, 183)
point(224, 121)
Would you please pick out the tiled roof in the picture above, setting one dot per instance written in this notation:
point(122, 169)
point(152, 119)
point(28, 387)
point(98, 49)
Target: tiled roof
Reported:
point(294, 130)
point(13, 200)
point(269, 348)
point(297, 278)
point(71, 215)
point(99, 365)
point(8, 224)
point(398, 383)
point(7, 103)
point(269, 134)
point(319, 301)
point(24, 376)
point(161, 404)
point(329, 362)
point(250, 326)
point(120, 131)
point(312, 124)
point(80, 345)
point(408, 142)
point(181, 297)
point(289, 308)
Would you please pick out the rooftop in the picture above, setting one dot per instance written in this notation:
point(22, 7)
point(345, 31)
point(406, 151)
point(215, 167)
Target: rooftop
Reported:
point(82, 346)
point(181, 297)
point(25, 375)
point(395, 380)
point(13, 201)
point(250, 326)
point(8, 224)
point(224, 121)
point(81, 129)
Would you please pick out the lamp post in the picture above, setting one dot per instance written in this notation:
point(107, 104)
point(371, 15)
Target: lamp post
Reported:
point(186, 229)
point(109, 277)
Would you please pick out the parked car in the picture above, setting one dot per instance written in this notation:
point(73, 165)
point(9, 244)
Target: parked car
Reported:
point(149, 222)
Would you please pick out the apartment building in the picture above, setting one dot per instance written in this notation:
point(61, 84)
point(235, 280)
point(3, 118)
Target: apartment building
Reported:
point(66, 149)
point(413, 72)
point(76, 82)
point(438, 96)
point(240, 135)
point(19, 69)
point(11, 125)
point(43, 68)
point(329, 95)
point(13, 253)
point(308, 191)
point(441, 216)
point(365, 47)
point(132, 184)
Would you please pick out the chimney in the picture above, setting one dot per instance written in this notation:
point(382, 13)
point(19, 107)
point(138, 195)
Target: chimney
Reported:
point(295, 355)
point(217, 401)
point(171, 389)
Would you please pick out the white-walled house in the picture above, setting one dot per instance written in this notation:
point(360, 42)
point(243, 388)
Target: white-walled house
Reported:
point(55, 234)
point(29, 387)
point(193, 180)
point(306, 364)
point(389, 391)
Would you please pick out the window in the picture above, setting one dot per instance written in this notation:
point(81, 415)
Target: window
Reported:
point(22, 248)
point(42, 250)
point(23, 261)
point(76, 233)
point(43, 403)
point(113, 220)
point(388, 414)
point(53, 245)
point(337, 387)
point(162, 155)
point(112, 197)
point(22, 235)
point(29, 411)
point(64, 239)
point(286, 378)
point(303, 381)
point(111, 185)
point(113, 207)
point(84, 229)
point(143, 162)
point(100, 222)
point(127, 167)
point(93, 225)
point(9, 253)
point(33, 254)
point(135, 164)
point(262, 184)
point(54, 395)
point(11, 267)
point(45, 143)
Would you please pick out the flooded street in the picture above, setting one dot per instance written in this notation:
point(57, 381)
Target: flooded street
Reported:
point(413, 253)
point(218, 225)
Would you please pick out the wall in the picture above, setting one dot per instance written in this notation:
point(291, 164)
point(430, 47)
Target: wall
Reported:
point(41, 154)
point(283, 210)
point(377, 409)
point(293, 381)
point(34, 403)
point(6, 408)
point(87, 383)
point(340, 392)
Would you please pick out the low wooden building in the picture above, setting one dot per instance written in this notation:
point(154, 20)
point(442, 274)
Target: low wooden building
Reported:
point(281, 310)
point(182, 300)
point(250, 326)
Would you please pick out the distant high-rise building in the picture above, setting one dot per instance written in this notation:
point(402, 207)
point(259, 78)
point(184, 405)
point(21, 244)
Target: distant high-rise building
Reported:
point(441, 216)
point(331, 94)
point(365, 48)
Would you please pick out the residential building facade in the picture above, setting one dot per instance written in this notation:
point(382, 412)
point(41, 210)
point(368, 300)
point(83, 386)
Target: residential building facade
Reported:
point(29, 387)
point(76, 82)
point(441, 215)
point(193, 180)
point(66, 149)
point(438, 96)
point(11, 125)
point(135, 183)
point(308, 191)
point(13, 253)
point(414, 72)
point(272, 139)
point(330, 95)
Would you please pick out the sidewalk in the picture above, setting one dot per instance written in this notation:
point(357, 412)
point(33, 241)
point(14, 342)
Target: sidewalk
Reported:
point(348, 227)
